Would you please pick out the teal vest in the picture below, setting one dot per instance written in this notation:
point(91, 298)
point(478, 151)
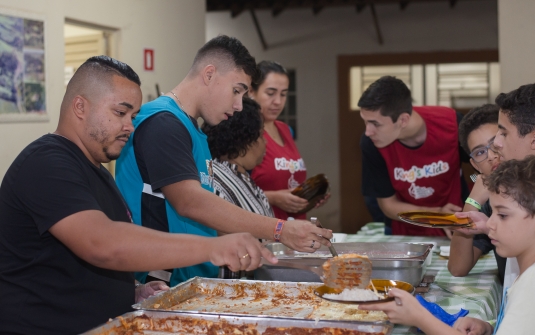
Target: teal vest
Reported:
point(131, 185)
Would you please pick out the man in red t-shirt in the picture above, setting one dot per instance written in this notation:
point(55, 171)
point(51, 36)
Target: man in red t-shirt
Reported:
point(410, 155)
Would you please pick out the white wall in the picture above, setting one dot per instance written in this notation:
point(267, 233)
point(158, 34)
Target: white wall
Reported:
point(310, 44)
point(174, 28)
point(517, 45)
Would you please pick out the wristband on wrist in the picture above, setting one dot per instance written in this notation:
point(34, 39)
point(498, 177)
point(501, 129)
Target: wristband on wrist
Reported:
point(472, 202)
point(278, 230)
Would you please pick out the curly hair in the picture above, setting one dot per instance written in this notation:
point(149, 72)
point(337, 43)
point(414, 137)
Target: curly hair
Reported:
point(519, 107)
point(516, 179)
point(475, 118)
point(233, 137)
point(389, 95)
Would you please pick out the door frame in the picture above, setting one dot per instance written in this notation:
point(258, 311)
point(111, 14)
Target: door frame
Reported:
point(353, 212)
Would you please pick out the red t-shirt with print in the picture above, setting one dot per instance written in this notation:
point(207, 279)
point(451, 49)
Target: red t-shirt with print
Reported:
point(282, 168)
point(430, 174)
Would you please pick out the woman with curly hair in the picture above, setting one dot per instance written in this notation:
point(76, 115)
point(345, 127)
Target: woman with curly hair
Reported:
point(237, 146)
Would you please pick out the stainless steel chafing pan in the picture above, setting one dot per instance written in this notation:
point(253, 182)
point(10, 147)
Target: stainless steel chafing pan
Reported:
point(398, 261)
point(164, 323)
point(268, 299)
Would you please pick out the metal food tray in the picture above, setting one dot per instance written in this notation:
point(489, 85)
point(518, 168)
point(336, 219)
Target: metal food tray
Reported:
point(390, 260)
point(269, 299)
point(154, 323)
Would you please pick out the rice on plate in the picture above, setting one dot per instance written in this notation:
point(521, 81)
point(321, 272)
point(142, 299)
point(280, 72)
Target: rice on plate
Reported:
point(354, 294)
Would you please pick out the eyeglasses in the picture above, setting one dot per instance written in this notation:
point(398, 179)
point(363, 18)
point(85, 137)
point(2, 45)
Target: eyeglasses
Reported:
point(480, 154)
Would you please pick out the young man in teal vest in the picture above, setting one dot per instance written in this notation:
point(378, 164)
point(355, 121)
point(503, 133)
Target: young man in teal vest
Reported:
point(165, 171)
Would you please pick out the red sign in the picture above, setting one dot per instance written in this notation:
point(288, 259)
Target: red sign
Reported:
point(148, 59)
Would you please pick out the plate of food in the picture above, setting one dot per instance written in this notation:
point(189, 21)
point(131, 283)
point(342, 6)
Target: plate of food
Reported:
point(376, 292)
point(434, 219)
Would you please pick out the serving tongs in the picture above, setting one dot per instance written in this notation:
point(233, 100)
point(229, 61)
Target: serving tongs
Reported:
point(316, 222)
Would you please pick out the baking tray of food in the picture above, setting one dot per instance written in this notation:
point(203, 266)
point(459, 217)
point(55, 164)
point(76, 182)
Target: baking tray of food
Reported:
point(390, 260)
point(271, 299)
point(153, 322)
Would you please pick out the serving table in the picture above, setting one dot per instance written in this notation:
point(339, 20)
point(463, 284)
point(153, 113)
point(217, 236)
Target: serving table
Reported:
point(479, 292)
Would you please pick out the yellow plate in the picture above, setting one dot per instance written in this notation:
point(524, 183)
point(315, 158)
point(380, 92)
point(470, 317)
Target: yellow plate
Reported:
point(382, 286)
point(434, 219)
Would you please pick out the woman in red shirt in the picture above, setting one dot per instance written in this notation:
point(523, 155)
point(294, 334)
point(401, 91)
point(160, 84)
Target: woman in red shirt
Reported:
point(283, 168)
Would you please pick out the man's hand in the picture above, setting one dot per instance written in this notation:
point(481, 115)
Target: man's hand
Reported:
point(471, 326)
point(303, 236)
point(450, 208)
point(149, 289)
point(285, 200)
point(239, 251)
point(480, 223)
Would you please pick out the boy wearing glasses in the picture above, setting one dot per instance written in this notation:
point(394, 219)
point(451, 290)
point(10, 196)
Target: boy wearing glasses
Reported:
point(477, 131)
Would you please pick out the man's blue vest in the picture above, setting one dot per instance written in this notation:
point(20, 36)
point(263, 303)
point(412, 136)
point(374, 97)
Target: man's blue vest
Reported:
point(131, 185)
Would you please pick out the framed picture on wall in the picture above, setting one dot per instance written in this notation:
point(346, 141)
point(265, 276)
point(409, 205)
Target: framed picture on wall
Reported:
point(22, 68)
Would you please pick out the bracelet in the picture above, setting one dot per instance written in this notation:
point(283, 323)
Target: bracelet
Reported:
point(472, 202)
point(278, 230)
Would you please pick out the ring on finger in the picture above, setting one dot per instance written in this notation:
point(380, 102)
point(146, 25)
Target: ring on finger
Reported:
point(313, 242)
point(245, 256)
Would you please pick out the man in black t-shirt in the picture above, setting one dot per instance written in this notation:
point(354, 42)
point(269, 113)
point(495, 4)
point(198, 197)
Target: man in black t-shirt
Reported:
point(67, 245)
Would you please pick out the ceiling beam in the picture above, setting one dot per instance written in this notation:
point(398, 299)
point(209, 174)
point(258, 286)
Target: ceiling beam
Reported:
point(279, 7)
point(376, 23)
point(236, 8)
point(361, 4)
point(317, 9)
point(258, 29)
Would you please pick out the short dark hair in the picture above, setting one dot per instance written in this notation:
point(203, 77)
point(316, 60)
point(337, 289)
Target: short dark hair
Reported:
point(233, 137)
point(515, 178)
point(475, 118)
point(519, 107)
point(110, 65)
point(389, 95)
point(230, 49)
point(266, 67)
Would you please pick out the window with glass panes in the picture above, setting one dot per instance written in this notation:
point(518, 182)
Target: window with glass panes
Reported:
point(289, 113)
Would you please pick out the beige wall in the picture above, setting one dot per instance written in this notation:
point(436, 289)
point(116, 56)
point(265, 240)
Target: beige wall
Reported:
point(517, 44)
point(310, 44)
point(174, 28)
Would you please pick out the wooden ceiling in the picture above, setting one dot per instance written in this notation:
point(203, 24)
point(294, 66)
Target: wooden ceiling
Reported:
point(236, 7)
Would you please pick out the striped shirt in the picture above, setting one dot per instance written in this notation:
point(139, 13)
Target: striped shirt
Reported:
point(239, 188)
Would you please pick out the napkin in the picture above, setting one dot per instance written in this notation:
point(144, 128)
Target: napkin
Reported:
point(439, 313)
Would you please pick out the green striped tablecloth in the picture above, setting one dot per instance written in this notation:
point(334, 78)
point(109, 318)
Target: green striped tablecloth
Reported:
point(480, 292)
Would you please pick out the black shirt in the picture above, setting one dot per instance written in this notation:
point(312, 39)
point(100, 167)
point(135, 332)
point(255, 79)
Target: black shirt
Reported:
point(44, 287)
point(164, 156)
